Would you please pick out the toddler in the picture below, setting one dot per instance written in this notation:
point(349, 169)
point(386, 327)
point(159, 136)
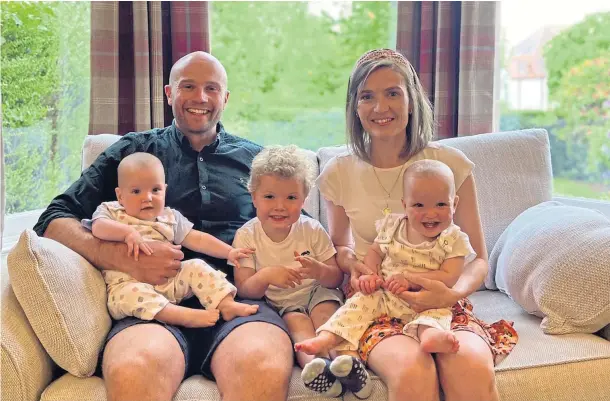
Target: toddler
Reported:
point(422, 241)
point(294, 266)
point(140, 216)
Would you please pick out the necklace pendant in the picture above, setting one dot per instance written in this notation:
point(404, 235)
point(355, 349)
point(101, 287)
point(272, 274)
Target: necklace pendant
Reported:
point(387, 210)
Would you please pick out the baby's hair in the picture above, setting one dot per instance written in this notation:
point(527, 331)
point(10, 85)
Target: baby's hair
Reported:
point(283, 162)
point(136, 161)
point(430, 168)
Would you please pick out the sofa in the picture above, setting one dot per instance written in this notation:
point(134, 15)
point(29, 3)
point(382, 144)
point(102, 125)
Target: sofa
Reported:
point(513, 174)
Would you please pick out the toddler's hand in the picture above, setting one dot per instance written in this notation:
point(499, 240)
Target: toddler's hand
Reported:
point(310, 267)
point(282, 276)
point(239, 253)
point(397, 284)
point(135, 244)
point(369, 283)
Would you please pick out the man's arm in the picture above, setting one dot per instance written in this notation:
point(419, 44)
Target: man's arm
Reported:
point(109, 255)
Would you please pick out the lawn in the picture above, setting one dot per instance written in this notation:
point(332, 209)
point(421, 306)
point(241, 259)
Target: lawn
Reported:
point(566, 187)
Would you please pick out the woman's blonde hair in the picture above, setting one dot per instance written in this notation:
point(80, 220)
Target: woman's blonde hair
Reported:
point(419, 130)
point(283, 162)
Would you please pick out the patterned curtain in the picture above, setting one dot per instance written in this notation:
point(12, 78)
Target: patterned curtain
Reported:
point(133, 46)
point(452, 47)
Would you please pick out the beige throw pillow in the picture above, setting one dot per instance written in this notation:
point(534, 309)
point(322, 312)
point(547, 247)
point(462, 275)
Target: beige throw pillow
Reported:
point(554, 261)
point(64, 299)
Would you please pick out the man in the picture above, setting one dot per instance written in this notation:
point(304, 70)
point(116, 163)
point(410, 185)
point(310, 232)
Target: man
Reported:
point(207, 170)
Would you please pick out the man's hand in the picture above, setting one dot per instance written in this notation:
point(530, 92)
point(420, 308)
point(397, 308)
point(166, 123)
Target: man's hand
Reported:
point(369, 283)
point(433, 294)
point(135, 244)
point(283, 277)
point(310, 267)
point(396, 284)
point(239, 253)
point(155, 269)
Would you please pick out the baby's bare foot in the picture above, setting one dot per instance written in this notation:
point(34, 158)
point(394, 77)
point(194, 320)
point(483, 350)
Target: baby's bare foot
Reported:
point(312, 346)
point(439, 341)
point(201, 317)
point(231, 309)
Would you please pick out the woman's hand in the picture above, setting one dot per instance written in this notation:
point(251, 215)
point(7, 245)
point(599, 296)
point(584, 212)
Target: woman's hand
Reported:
point(433, 294)
point(369, 283)
point(357, 269)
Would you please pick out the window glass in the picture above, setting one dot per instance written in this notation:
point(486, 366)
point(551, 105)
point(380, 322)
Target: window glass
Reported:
point(45, 98)
point(288, 64)
point(555, 74)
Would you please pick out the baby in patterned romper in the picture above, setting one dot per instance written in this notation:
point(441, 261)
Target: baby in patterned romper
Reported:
point(422, 241)
point(140, 216)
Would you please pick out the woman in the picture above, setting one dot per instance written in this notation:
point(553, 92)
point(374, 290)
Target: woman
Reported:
point(390, 125)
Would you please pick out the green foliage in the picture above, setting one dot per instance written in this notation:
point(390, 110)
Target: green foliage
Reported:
point(578, 64)
point(584, 41)
point(45, 98)
point(288, 68)
point(584, 104)
point(30, 49)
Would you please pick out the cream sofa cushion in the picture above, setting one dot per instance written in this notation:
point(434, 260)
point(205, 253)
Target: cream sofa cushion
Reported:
point(554, 261)
point(51, 282)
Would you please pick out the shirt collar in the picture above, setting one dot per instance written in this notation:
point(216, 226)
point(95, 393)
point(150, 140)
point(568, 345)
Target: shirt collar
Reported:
point(182, 140)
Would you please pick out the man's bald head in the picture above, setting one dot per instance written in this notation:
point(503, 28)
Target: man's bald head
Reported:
point(194, 58)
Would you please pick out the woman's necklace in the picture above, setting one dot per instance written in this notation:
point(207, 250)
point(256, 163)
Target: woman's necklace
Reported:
point(386, 210)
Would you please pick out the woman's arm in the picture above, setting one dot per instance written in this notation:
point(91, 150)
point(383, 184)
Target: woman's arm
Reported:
point(435, 294)
point(340, 234)
point(468, 219)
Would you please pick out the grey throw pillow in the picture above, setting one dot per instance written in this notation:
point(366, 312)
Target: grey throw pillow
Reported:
point(554, 261)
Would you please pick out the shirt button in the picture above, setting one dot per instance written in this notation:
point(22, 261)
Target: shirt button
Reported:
point(201, 159)
point(204, 187)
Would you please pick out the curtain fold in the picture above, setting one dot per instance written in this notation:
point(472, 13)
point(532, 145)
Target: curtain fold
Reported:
point(133, 46)
point(452, 47)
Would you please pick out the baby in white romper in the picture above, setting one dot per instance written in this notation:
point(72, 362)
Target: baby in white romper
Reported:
point(140, 216)
point(422, 241)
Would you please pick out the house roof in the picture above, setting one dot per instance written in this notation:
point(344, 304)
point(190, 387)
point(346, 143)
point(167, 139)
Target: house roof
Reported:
point(526, 59)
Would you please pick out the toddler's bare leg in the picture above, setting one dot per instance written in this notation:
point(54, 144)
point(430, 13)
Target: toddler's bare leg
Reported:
point(433, 340)
point(230, 309)
point(187, 317)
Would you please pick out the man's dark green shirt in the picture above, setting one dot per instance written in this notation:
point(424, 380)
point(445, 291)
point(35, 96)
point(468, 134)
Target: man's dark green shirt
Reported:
point(209, 187)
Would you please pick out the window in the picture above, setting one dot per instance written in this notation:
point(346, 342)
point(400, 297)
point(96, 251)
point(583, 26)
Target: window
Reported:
point(45, 102)
point(288, 64)
point(566, 89)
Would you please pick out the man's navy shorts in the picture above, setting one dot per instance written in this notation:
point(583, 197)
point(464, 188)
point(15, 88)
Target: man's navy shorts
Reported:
point(199, 344)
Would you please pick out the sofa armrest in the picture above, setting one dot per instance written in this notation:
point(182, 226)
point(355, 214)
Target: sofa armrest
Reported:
point(26, 367)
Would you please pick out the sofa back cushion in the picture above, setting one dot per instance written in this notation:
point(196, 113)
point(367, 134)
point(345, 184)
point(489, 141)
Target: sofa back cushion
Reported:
point(512, 173)
point(94, 145)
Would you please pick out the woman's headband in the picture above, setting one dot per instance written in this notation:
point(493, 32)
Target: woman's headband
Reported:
point(383, 54)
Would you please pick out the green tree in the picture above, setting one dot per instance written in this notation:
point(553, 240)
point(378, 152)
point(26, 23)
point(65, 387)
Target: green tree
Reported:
point(584, 41)
point(578, 65)
point(45, 102)
point(288, 68)
point(584, 104)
